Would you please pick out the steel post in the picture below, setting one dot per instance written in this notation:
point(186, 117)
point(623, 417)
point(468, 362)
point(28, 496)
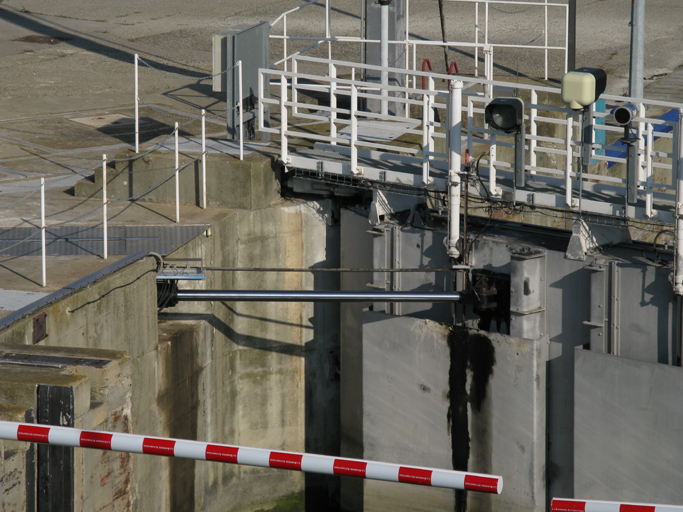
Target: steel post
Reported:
point(105, 242)
point(42, 232)
point(454, 150)
point(384, 57)
point(177, 177)
point(137, 108)
point(637, 48)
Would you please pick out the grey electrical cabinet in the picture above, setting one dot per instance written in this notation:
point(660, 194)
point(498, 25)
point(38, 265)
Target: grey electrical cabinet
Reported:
point(250, 44)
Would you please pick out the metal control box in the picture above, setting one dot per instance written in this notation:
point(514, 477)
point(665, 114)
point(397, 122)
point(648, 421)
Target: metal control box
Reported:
point(249, 44)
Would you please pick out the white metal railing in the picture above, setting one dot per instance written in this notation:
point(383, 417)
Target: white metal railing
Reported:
point(238, 105)
point(553, 140)
point(411, 44)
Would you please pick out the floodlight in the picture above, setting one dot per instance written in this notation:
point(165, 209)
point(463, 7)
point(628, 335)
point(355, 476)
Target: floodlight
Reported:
point(624, 114)
point(582, 87)
point(505, 114)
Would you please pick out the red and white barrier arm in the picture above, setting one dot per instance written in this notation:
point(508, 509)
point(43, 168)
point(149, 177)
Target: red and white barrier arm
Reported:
point(564, 505)
point(66, 436)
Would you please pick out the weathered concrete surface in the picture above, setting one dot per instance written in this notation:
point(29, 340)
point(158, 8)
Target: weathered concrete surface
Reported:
point(102, 479)
point(455, 399)
point(230, 183)
point(627, 429)
point(262, 374)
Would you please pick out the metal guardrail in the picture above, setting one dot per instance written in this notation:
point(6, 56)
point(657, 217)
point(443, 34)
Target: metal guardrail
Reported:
point(411, 45)
point(553, 140)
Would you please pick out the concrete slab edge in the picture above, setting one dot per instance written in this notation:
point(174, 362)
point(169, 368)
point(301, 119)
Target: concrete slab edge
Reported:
point(70, 289)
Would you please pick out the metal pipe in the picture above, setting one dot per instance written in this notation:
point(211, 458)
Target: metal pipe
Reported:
point(105, 241)
point(137, 108)
point(454, 149)
point(315, 296)
point(42, 232)
point(384, 55)
point(637, 48)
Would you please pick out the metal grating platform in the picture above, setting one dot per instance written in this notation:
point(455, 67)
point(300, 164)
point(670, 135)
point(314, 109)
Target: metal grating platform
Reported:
point(83, 241)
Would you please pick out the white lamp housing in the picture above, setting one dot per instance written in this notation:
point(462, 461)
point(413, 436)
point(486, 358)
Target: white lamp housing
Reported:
point(582, 87)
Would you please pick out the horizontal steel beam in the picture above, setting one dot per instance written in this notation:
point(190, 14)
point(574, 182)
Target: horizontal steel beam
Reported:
point(315, 296)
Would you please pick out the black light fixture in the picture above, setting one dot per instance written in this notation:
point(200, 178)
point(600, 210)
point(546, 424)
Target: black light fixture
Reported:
point(507, 115)
point(384, 2)
point(624, 115)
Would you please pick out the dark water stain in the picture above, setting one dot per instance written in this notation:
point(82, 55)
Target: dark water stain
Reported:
point(473, 352)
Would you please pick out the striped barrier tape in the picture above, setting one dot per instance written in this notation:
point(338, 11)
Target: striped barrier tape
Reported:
point(73, 437)
point(565, 505)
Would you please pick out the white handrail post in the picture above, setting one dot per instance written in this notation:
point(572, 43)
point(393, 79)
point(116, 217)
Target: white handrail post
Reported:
point(454, 150)
point(566, 38)
point(42, 232)
point(476, 39)
point(533, 129)
point(426, 139)
point(203, 158)
point(384, 58)
point(354, 129)
point(177, 177)
point(545, 32)
point(284, 43)
point(283, 119)
point(328, 28)
point(105, 234)
point(641, 144)
point(648, 173)
point(295, 86)
point(432, 101)
point(137, 108)
point(570, 160)
point(240, 92)
point(333, 103)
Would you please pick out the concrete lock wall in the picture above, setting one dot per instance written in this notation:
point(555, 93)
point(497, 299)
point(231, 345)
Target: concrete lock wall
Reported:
point(453, 398)
point(627, 429)
point(254, 374)
point(264, 374)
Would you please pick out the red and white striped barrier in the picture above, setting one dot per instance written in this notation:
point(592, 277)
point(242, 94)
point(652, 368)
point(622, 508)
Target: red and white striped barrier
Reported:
point(66, 436)
point(564, 505)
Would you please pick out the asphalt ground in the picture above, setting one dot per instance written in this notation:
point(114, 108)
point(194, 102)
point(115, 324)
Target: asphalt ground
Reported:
point(65, 60)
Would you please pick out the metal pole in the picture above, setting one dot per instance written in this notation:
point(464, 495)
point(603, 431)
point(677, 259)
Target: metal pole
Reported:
point(240, 92)
point(177, 178)
point(570, 36)
point(137, 110)
point(384, 55)
point(197, 450)
point(328, 28)
point(637, 48)
point(354, 128)
point(42, 232)
point(203, 158)
point(333, 103)
point(315, 296)
point(562, 504)
point(283, 119)
point(678, 269)
point(454, 149)
point(545, 33)
point(105, 237)
point(570, 160)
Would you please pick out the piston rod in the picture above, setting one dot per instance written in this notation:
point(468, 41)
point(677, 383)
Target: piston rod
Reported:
point(315, 296)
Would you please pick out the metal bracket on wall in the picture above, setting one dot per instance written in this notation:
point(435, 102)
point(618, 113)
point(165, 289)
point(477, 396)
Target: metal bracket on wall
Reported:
point(598, 340)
